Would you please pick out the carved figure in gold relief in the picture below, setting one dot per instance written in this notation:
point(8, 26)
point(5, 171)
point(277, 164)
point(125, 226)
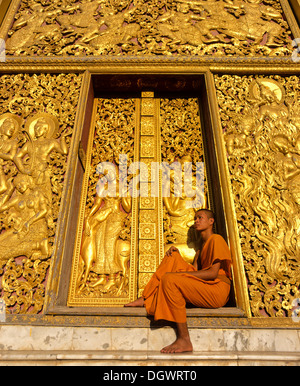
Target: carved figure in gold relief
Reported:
point(27, 213)
point(181, 142)
point(30, 24)
point(114, 28)
point(26, 198)
point(181, 216)
point(264, 161)
point(101, 269)
point(101, 27)
point(102, 250)
point(254, 20)
point(80, 19)
point(178, 26)
point(9, 128)
point(235, 141)
point(31, 185)
point(40, 130)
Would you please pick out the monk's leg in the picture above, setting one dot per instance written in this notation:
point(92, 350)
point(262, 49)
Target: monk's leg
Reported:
point(136, 303)
point(182, 343)
point(173, 263)
point(171, 305)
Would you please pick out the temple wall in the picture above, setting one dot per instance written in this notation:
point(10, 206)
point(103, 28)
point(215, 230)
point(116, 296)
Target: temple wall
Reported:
point(60, 56)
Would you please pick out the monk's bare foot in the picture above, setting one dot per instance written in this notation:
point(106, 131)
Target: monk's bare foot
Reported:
point(136, 303)
point(180, 345)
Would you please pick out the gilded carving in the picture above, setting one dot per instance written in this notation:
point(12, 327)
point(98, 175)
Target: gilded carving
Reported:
point(41, 130)
point(147, 203)
point(147, 263)
point(260, 118)
point(147, 147)
point(9, 129)
point(103, 251)
point(159, 27)
point(33, 153)
point(181, 143)
point(147, 231)
point(147, 247)
point(144, 278)
point(150, 216)
point(147, 125)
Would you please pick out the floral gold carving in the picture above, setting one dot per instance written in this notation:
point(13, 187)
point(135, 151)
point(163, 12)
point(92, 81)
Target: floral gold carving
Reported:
point(147, 126)
point(147, 231)
point(147, 147)
point(147, 202)
point(147, 263)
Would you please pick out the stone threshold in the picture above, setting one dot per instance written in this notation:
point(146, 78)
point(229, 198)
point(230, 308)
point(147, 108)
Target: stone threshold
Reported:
point(130, 317)
point(140, 311)
point(146, 358)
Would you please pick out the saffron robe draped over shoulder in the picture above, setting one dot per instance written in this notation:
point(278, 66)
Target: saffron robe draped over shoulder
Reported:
point(169, 290)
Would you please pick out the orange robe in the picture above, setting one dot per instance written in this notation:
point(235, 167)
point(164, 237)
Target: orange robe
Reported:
point(167, 292)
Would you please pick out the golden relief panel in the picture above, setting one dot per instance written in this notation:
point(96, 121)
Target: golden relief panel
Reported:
point(142, 27)
point(103, 266)
point(261, 122)
point(120, 235)
point(182, 144)
point(35, 137)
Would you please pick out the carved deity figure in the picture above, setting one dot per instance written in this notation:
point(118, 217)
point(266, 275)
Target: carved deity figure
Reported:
point(9, 128)
point(30, 24)
point(263, 148)
point(251, 21)
point(82, 23)
point(40, 129)
point(102, 250)
point(25, 200)
point(179, 26)
point(28, 211)
point(288, 157)
point(114, 28)
point(181, 216)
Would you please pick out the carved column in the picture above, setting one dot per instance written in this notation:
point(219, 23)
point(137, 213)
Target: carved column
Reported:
point(150, 215)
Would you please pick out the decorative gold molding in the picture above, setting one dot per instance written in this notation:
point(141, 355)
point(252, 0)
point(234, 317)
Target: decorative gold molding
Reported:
point(109, 66)
point(55, 272)
point(288, 11)
point(239, 277)
point(4, 4)
point(138, 320)
point(295, 5)
point(11, 8)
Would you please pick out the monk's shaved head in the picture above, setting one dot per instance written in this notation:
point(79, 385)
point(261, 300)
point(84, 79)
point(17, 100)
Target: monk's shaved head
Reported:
point(209, 213)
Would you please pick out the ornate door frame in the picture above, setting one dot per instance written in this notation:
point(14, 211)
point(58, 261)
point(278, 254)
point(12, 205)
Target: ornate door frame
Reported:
point(57, 291)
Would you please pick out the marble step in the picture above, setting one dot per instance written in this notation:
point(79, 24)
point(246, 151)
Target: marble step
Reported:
point(90, 339)
point(146, 358)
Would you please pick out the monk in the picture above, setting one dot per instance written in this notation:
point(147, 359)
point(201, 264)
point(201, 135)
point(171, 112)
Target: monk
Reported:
point(205, 283)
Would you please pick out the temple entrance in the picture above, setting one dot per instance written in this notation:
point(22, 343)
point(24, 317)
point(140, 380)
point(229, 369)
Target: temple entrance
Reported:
point(149, 165)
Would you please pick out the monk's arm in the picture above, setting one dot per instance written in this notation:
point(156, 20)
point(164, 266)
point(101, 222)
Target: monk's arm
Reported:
point(206, 274)
point(195, 262)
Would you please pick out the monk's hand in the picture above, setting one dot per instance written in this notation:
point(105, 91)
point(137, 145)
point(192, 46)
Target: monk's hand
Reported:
point(171, 250)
